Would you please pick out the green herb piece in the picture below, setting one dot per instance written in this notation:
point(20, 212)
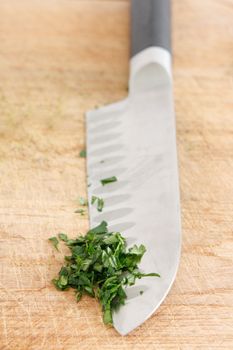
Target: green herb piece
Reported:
point(63, 237)
point(83, 201)
point(99, 201)
point(101, 228)
point(54, 242)
point(93, 199)
point(83, 153)
point(141, 292)
point(107, 317)
point(108, 180)
point(78, 296)
point(135, 250)
point(101, 266)
point(100, 204)
point(152, 274)
point(80, 211)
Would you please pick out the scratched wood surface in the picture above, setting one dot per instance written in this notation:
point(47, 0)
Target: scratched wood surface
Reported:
point(59, 58)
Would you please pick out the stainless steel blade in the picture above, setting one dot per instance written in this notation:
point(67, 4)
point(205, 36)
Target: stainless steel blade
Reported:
point(135, 141)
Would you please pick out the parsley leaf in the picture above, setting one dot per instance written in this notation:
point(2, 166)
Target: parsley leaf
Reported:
point(62, 237)
point(83, 201)
point(93, 199)
point(80, 211)
point(101, 228)
point(54, 242)
point(108, 180)
point(83, 153)
point(100, 202)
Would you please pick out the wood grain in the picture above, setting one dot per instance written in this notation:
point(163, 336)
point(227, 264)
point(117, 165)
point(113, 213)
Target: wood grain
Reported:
point(59, 58)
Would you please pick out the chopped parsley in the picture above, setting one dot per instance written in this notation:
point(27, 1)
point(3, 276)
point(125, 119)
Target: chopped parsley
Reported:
point(83, 153)
point(80, 211)
point(83, 201)
point(99, 201)
point(108, 180)
point(101, 266)
point(63, 237)
point(54, 242)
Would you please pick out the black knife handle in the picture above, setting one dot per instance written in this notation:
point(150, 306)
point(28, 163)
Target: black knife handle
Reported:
point(151, 25)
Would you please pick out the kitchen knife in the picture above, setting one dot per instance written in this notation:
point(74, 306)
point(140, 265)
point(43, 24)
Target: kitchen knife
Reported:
point(135, 140)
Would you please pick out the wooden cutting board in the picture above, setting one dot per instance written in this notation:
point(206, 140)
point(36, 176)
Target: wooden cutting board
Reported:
point(59, 58)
